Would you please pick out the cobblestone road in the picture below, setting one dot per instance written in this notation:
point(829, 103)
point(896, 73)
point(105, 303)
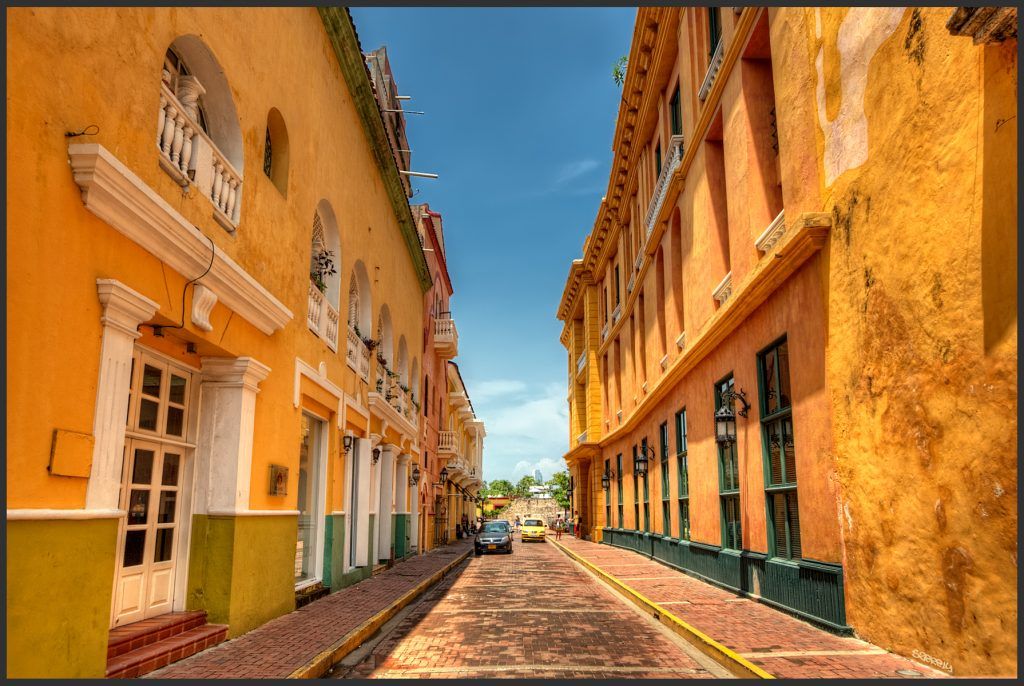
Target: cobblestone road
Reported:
point(534, 613)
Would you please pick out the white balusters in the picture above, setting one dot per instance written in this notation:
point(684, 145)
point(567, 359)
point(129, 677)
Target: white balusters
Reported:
point(179, 139)
point(316, 304)
point(331, 326)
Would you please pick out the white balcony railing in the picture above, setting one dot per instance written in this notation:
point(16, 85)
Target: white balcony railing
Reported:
point(446, 442)
point(191, 156)
point(446, 337)
point(581, 362)
point(713, 67)
point(357, 355)
point(322, 317)
point(773, 234)
point(675, 158)
point(632, 282)
point(582, 438)
point(604, 332)
point(616, 312)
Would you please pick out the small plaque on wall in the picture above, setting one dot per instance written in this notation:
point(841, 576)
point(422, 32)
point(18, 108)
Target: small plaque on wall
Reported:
point(278, 480)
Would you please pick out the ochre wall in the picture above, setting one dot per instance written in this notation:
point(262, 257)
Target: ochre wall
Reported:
point(76, 67)
point(113, 82)
point(922, 336)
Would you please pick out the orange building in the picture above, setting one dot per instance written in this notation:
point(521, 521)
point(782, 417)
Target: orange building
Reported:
point(790, 317)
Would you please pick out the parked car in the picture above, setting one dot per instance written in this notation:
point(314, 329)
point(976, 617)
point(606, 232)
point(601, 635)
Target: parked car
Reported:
point(492, 537)
point(534, 529)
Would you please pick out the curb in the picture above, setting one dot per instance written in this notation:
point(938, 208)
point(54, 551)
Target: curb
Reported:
point(729, 659)
point(320, 664)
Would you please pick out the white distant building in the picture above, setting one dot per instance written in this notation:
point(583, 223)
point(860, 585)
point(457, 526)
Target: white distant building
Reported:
point(537, 477)
point(542, 492)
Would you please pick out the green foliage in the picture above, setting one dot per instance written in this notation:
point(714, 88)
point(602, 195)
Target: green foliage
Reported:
point(619, 70)
point(522, 489)
point(498, 487)
point(559, 485)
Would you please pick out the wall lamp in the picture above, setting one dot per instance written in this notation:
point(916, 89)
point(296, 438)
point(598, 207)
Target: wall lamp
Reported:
point(606, 480)
point(414, 478)
point(376, 455)
point(725, 419)
point(443, 476)
point(348, 441)
point(645, 455)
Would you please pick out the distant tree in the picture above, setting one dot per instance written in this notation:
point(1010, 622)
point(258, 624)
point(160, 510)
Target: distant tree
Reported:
point(522, 489)
point(619, 70)
point(559, 485)
point(500, 487)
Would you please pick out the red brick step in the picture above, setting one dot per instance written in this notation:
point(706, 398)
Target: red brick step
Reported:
point(132, 636)
point(160, 652)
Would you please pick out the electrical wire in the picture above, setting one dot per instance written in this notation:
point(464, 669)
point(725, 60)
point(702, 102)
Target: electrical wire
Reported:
point(213, 252)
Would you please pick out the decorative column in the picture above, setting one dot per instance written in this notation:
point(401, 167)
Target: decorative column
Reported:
point(402, 483)
point(226, 425)
point(123, 311)
point(359, 509)
point(387, 490)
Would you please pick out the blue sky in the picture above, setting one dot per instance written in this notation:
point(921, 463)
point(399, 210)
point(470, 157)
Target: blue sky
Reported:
point(520, 112)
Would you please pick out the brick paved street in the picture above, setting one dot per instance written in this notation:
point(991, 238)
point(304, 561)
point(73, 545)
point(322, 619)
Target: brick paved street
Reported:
point(279, 647)
point(534, 613)
point(778, 643)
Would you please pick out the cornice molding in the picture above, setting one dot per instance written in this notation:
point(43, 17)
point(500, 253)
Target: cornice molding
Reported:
point(342, 35)
point(120, 198)
point(809, 235)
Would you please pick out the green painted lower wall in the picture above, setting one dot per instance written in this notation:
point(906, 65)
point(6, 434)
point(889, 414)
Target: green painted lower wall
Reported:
point(60, 576)
point(807, 588)
point(400, 532)
point(339, 578)
point(242, 569)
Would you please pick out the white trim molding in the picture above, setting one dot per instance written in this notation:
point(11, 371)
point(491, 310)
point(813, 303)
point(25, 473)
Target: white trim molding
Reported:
point(123, 311)
point(773, 234)
point(116, 195)
point(49, 513)
point(319, 377)
point(723, 290)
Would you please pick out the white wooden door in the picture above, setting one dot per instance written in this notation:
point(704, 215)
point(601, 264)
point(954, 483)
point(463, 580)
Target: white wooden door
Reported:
point(151, 489)
point(146, 551)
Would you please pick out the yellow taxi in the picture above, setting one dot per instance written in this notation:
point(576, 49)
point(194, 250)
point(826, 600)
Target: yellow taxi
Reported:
point(534, 529)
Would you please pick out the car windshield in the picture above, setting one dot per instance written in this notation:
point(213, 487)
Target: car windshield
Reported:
point(495, 527)
point(533, 522)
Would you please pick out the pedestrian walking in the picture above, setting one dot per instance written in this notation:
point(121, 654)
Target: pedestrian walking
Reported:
point(576, 524)
point(559, 528)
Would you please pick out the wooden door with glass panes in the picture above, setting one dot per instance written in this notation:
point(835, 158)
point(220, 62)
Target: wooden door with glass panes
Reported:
point(154, 460)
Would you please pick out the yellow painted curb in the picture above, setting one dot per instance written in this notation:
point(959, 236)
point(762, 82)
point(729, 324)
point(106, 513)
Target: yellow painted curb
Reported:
point(320, 664)
point(732, 661)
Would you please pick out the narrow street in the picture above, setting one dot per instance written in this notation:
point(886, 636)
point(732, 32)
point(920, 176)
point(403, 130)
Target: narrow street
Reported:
point(534, 613)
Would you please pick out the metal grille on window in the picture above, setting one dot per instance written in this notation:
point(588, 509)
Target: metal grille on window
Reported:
point(267, 155)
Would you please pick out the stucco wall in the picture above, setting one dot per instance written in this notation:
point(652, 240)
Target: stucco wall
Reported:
point(922, 338)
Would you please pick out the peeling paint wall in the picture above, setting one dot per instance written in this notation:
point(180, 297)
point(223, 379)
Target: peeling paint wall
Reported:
point(919, 172)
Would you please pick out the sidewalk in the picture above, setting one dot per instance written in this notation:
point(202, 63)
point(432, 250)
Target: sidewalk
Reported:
point(752, 633)
point(307, 642)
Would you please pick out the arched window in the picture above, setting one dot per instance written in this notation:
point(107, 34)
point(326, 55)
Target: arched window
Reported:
point(275, 151)
point(198, 135)
point(324, 281)
point(386, 349)
point(403, 362)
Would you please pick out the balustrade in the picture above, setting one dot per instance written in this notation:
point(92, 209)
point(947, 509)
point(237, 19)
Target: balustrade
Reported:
point(322, 317)
point(191, 154)
point(675, 158)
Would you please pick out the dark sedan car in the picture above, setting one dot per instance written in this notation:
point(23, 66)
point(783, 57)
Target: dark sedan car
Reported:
point(492, 537)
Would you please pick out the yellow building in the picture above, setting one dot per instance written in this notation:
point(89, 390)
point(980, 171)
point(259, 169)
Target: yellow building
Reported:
point(195, 428)
point(792, 332)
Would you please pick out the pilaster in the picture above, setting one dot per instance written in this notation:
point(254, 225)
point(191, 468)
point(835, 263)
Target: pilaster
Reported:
point(123, 311)
point(226, 425)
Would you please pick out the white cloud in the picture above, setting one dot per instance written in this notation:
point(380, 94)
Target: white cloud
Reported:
point(573, 170)
point(527, 427)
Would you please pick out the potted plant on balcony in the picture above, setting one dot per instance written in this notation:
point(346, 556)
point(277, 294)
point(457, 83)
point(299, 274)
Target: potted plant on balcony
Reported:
point(380, 385)
point(323, 267)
